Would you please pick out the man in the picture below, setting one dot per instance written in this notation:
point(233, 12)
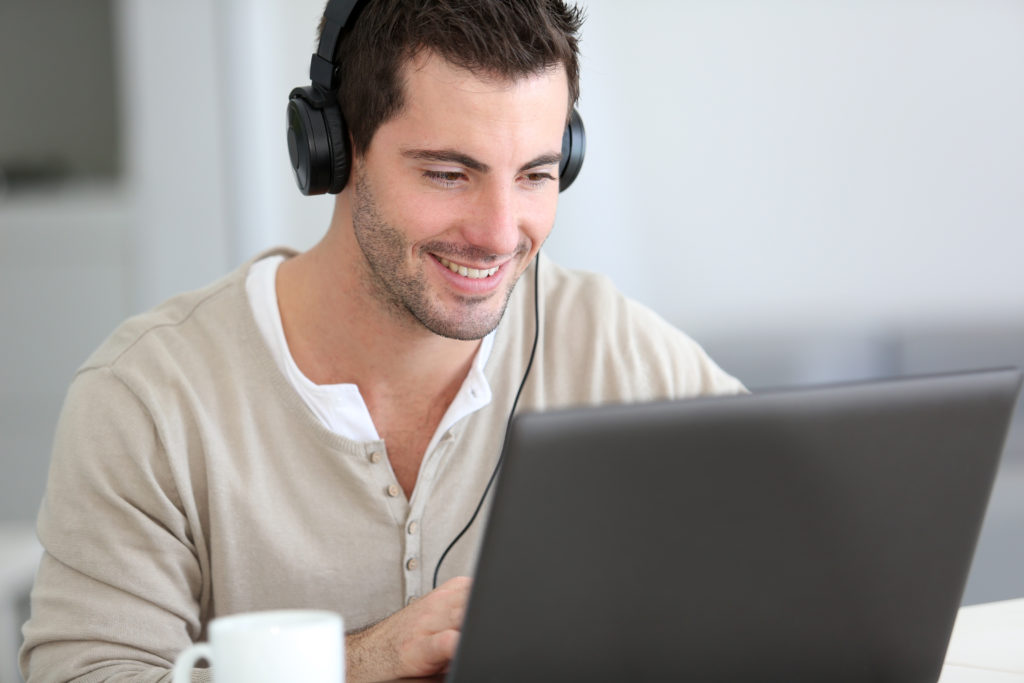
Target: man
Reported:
point(315, 429)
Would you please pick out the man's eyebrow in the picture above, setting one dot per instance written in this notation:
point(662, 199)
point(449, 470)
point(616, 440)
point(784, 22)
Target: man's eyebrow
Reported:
point(447, 155)
point(452, 156)
point(542, 160)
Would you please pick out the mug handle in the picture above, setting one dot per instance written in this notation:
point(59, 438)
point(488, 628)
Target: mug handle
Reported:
point(187, 660)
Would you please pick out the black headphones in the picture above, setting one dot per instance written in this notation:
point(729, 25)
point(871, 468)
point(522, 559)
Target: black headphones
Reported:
point(318, 138)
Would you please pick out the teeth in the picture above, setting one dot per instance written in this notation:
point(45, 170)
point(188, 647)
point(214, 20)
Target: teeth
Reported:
point(471, 273)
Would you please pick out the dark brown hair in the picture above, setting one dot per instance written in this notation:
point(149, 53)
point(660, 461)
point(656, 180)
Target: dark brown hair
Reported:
point(505, 39)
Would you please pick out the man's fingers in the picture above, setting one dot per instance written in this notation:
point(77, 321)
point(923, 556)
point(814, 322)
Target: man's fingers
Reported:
point(429, 655)
point(440, 648)
point(456, 583)
point(434, 623)
point(456, 591)
point(441, 617)
point(447, 603)
point(446, 642)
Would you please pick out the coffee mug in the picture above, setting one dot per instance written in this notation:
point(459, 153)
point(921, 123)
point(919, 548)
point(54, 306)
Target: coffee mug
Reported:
point(270, 647)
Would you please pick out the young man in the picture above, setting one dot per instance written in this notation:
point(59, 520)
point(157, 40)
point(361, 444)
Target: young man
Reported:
point(315, 429)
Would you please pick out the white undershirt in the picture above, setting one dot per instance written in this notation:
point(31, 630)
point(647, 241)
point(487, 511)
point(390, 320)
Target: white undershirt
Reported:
point(340, 407)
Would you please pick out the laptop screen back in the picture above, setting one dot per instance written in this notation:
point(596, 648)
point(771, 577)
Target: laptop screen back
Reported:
point(805, 535)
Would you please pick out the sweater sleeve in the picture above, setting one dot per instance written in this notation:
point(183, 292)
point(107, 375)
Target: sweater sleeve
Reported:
point(117, 595)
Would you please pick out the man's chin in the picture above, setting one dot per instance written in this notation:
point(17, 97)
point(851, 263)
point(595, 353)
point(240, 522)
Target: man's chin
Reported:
point(464, 326)
point(460, 331)
point(467, 317)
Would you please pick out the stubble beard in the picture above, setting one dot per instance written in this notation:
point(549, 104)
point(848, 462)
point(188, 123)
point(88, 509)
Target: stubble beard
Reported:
point(402, 288)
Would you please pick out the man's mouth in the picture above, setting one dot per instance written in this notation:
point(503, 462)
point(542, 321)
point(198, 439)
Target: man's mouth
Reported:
point(465, 271)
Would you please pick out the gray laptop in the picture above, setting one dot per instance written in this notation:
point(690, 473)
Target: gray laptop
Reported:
point(817, 534)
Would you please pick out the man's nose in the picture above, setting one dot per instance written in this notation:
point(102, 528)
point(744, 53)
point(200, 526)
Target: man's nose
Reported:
point(494, 223)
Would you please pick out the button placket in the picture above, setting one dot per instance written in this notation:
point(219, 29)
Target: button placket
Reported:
point(384, 483)
point(413, 565)
point(413, 559)
point(392, 489)
point(417, 575)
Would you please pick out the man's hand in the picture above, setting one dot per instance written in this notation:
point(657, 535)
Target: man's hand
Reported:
point(419, 640)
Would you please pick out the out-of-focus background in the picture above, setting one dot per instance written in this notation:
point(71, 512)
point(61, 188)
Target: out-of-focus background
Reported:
point(816, 191)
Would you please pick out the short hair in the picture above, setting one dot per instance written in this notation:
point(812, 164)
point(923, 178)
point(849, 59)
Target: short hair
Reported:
point(504, 39)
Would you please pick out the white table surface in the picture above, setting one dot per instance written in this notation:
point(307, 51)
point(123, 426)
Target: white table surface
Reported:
point(987, 644)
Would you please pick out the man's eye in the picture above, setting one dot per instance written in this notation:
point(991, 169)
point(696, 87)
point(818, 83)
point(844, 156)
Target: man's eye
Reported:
point(446, 178)
point(539, 178)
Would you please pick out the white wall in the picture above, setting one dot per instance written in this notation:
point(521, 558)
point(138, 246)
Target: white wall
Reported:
point(756, 163)
point(265, 51)
point(175, 149)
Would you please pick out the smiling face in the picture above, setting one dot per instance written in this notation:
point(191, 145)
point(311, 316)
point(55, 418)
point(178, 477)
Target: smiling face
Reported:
point(456, 194)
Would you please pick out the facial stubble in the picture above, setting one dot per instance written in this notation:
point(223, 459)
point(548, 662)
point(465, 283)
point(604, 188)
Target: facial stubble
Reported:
point(401, 285)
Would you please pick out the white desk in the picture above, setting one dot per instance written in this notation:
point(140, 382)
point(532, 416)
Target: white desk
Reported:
point(987, 645)
point(19, 557)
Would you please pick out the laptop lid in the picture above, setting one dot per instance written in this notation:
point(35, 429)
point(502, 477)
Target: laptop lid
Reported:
point(813, 534)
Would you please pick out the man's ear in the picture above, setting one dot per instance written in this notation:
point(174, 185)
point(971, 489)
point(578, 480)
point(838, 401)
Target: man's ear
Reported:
point(356, 161)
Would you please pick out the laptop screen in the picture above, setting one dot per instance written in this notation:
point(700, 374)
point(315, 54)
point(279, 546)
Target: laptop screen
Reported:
point(815, 534)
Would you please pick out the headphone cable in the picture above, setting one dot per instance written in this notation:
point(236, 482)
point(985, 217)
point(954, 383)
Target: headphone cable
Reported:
point(515, 402)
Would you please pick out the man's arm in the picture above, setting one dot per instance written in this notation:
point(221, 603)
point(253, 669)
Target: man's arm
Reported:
point(119, 589)
point(420, 640)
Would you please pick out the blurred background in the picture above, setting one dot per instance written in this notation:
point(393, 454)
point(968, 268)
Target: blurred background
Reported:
point(815, 190)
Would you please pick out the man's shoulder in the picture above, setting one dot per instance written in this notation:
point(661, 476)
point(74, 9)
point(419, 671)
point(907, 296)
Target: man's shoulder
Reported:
point(562, 282)
point(201, 317)
point(617, 344)
point(162, 324)
point(592, 301)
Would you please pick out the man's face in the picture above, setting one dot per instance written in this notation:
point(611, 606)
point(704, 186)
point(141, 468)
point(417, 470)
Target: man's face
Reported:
point(456, 194)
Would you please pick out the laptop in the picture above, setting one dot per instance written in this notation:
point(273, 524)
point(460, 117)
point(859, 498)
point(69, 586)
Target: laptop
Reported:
point(814, 534)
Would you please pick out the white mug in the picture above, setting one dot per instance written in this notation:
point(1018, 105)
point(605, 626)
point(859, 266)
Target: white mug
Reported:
point(270, 647)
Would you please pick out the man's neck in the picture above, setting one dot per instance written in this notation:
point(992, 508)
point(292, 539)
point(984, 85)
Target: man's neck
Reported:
point(337, 333)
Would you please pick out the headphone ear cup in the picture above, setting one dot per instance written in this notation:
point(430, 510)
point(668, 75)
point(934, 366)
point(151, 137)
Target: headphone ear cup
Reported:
point(574, 145)
point(308, 144)
point(341, 155)
point(317, 142)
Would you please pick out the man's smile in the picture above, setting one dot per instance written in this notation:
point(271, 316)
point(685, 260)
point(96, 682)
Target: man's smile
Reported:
point(467, 271)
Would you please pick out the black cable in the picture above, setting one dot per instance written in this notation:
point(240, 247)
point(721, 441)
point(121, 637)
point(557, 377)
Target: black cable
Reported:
point(515, 402)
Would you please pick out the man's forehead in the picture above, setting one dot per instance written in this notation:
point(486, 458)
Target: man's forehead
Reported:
point(430, 66)
point(495, 121)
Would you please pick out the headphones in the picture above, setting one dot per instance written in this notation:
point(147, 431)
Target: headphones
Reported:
point(318, 142)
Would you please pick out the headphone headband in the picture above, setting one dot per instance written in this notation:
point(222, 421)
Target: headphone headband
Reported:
point(338, 14)
point(340, 11)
